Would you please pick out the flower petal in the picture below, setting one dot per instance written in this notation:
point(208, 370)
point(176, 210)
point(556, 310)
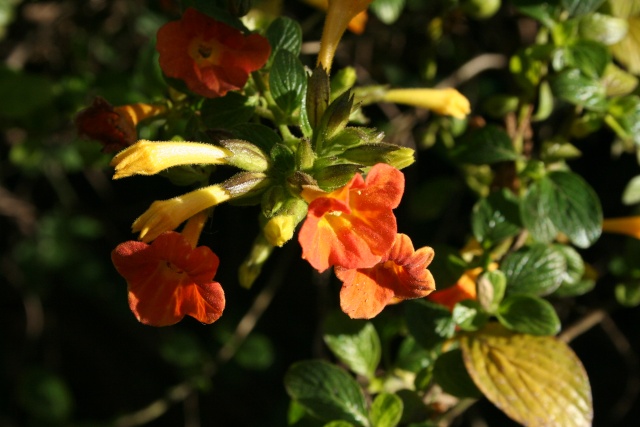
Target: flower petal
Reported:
point(168, 280)
point(361, 297)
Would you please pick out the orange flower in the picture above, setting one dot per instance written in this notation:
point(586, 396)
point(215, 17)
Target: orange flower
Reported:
point(629, 225)
point(354, 226)
point(170, 279)
point(114, 127)
point(211, 57)
point(357, 23)
point(401, 274)
point(465, 288)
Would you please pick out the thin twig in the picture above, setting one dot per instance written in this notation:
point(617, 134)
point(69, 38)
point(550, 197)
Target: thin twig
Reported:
point(472, 68)
point(182, 391)
point(581, 326)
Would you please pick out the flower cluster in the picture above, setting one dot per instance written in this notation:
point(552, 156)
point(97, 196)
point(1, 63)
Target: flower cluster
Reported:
point(339, 184)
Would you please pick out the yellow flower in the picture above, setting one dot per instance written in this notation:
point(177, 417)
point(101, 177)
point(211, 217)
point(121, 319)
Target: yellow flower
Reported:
point(448, 102)
point(339, 14)
point(279, 229)
point(166, 215)
point(150, 157)
point(629, 225)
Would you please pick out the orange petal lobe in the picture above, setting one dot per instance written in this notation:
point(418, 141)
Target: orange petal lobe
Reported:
point(168, 280)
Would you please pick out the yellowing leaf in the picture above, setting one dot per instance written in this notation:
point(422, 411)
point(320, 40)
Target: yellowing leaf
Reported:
point(537, 381)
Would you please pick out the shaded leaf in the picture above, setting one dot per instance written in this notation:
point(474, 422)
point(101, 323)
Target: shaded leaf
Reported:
point(429, 323)
point(451, 374)
point(489, 144)
point(227, 111)
point(537, 381)
point(496, 217)
point(355, 343)
point(326, 391)
point(575, 208)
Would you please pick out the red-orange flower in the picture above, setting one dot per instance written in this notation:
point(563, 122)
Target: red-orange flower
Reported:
point(464, 289)
point(114, 127)
point(211, 57)
point(401, 274)
point(169, 279)
point(354, 226)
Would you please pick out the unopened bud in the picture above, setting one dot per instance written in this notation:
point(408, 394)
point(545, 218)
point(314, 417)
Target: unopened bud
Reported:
point(245, 155)
point(371, 154)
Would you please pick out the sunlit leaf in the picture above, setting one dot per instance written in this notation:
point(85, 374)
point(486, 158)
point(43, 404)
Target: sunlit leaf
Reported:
point(284, 33)
point(288, 81)
point(386, 410)
point(528, 314)
point(537, 381)
point(535, 270)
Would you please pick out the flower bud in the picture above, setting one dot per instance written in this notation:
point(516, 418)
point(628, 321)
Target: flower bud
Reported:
point(279, 229)
point(246, 184)
point(370, 154)
point(252, 266)
point(342, 81)
point(245, 155)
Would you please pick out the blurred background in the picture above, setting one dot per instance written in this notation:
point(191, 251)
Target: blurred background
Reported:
point(71, 352)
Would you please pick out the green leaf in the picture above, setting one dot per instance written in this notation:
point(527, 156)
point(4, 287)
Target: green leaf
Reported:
point(626, 113)
point(451, 374)
point(45, 397)
point(256, 353)
point(429, 323)
point(262, 136)
point(496, 217)
point(537, 381)
point(535, 269)
point(288, 81)
point(386, 410)
point(529, 66)
point(602, 28)
point(628, 294)
point(489, 144)
point(535, 211)
point(227, 111)
point(284, 34)
point(528, 314)
point(411, 356)
point(22, 94)
point(574, 87)
point(326, 391)
point(575, 208)
point(581, 7)
point(631, 193)
point(546, 13)
point(387, 11)
point(590, 57)
point(575, 264)
point(338, 423)
point(469, 315)
point(355, 343)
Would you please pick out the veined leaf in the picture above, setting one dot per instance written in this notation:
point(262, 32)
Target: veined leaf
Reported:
point(528, 314)
point(537, 381)
point(285, 33)
point(355, 343)
point(386, 410)
point(288, 81)
point(326, 391)
point(535, 270)
point(489, 144)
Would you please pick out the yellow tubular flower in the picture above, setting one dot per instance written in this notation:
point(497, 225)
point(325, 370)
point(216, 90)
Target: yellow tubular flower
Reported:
point(448, 102)
point(279, 229)
point(339, 14)
point(166, 215)
point(150, 157)
point(629, 225)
